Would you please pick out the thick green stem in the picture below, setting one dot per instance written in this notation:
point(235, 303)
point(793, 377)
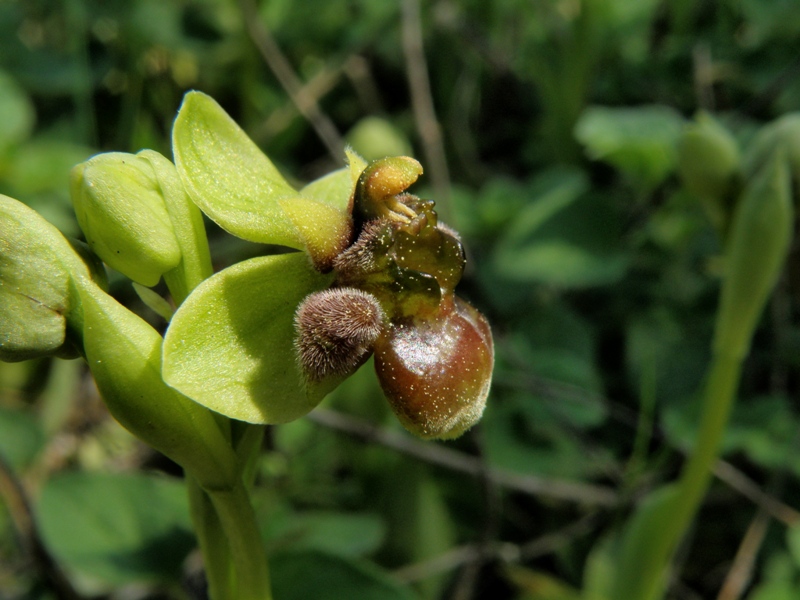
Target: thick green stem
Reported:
point(212, 541)
point(238, 520)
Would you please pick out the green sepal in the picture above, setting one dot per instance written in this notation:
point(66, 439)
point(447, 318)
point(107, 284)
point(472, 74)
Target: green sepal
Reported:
point(187, 224)
point(228, 176)
point(124, 354)
point(121, 210)
point(36, 265)
point(230, 346)
point(758, 242)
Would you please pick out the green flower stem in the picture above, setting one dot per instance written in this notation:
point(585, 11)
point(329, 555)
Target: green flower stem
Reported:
point(213, 542)
point(720, 391)
point(238, 520)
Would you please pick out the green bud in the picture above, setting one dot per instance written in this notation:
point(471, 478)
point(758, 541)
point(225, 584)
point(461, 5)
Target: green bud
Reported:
point(124, 355)
point(758, 243)
point(783, 132)
point(708, 164)
point(120, 207)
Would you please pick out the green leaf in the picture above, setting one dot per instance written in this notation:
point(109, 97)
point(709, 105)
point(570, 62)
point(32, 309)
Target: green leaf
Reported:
point(17, 110)
point(230, 346)
point(313, 574)
point(36, 264)
point(536, 585)
point(342, 534)
point(21, 437)
point(640, 141)
point(651, 521)
point(228, 176)
point(118, 528)
point(563, 239)
point(374, 137)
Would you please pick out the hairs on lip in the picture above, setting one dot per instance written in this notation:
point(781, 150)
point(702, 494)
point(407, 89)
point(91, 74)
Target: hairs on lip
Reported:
point(336, 330)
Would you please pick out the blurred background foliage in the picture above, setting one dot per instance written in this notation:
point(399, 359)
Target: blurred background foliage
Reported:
point(555, 156)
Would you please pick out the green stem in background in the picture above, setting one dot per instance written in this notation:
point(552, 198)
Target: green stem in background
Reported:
point(720, 392)
point(758, 243)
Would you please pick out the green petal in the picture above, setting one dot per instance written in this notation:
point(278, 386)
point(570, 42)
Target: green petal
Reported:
point(230, 346)
point(228, 176)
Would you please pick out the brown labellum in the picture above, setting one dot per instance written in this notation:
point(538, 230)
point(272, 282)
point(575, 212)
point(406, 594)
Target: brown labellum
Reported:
point(336, 329)
point(436, 372)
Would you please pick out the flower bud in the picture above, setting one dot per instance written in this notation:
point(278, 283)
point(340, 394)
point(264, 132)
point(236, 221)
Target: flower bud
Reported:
point(758, 242)
point(120, 208)
point(436, 372)
point(783, 132)
point(708, 163)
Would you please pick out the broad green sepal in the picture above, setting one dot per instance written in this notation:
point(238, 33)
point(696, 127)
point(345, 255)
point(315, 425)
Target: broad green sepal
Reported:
point(36, 264)
point(124, 355)
point(758, 242)
point(228, 176)
point(120, 208)
point(230, 346)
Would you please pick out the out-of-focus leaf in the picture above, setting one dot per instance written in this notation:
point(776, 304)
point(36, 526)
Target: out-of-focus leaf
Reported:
point(342, 534)
point(314, 574)
point(598, 572)
point(230, 346)
point(21, 437)
point(563, 241)
point(17, 111)
point(117, 528)
point(779, 581)
point(639, 141)
point(375, 137)
point(535, 585)
point(632, 566)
